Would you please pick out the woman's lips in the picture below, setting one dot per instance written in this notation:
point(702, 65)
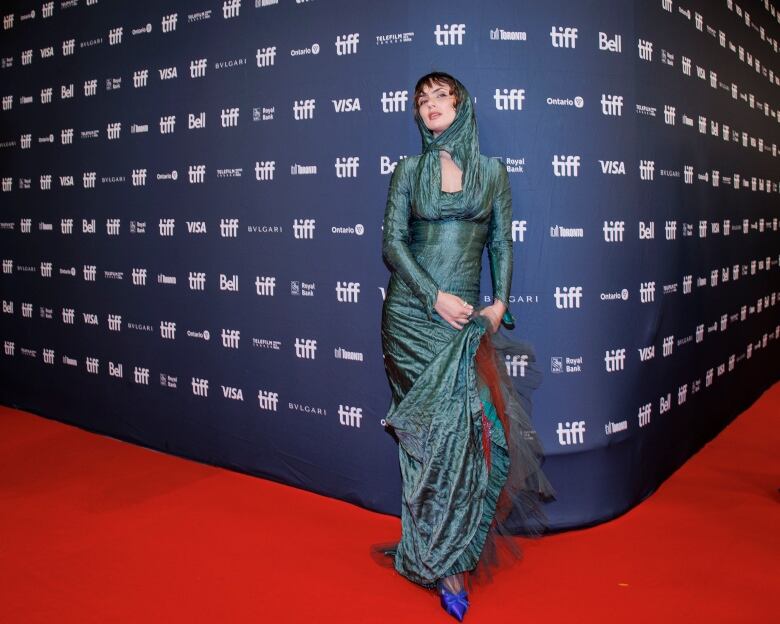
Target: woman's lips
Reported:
point(433, 116)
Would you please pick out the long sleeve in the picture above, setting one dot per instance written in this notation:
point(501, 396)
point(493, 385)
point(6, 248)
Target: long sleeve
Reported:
point(499, 242)
point(395, 239)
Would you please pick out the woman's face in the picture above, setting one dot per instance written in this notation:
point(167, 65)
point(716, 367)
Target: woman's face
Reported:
point(436, 107)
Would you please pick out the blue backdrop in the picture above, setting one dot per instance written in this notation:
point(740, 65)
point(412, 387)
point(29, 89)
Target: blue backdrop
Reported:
point(191, 209)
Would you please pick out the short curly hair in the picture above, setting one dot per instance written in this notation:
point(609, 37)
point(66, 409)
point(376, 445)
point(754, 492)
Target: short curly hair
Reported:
point(436, 77)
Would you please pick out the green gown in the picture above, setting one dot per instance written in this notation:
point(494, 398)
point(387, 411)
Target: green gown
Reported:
point(469, 456)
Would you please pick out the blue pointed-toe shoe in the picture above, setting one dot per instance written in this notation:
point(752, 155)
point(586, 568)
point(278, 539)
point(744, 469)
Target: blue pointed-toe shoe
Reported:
point(455, 604)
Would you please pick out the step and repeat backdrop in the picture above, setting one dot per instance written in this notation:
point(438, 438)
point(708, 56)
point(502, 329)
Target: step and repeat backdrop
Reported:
point(192, 201)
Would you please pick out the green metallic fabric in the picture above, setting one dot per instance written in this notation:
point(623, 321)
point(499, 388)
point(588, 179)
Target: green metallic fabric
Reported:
point(432, 241)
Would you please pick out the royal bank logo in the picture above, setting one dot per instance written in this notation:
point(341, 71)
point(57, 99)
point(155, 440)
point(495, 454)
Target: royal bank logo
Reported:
point(568, 297)
point(303, 289)
point(509, 99)
point(566, 166)
point(394, 101)
point(449, 34)
point(563, 37)
point(268, 400)
point(347, 44)
point(305, 348)
point(570, 433)
point(350, 416)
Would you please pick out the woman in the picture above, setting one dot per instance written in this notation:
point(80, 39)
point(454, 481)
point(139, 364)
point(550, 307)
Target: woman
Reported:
point(468, 452)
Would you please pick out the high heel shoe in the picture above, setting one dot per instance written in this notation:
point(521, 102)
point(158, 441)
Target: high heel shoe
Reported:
point(455, 605)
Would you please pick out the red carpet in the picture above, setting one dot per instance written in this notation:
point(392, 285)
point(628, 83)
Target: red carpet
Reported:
point(96, 530)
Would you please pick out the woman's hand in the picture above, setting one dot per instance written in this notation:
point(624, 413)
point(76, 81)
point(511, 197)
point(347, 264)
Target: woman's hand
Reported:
point(494, 313)
point(453, 309)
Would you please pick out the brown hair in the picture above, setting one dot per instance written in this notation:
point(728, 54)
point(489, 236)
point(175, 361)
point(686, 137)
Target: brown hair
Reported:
point(429, 79)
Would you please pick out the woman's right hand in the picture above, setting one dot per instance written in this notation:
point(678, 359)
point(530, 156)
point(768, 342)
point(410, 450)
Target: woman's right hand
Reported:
point(452, 309)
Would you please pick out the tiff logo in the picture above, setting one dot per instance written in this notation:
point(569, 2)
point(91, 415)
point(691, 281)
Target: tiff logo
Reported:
point(141, 375)
point(140, 78)
point(305, 348)
point(350, 416)
point(567, 297)
point(516, 364)
point(268, 400)
point(394, 101)
point(265, 285)
point(89, 272)
point(566, 166)
point(647, 292)
point(169, 22)
point(667, 346)
point(167, 226)
point(646, 169)
point(612, 105)
point(113, 130)
point(347, 44)
point(571, 433)
point(644, 414)
point(266, 56)
point(614, 360)
point(168, 330)
point(90, 87)
point(563, 37)
point(303, 228)
point(168, 124)
point(68, 47)
point(645, 50)
point(200, 387)
point(303, 109)
point(93, 365)
point(231, 338)
point(114, 322)
point(670, 115)
point(347, 166)
point(518, 230)
point(139, 277)
point(228, 228)
point(264, 170)
point(115, 36)
point(229, 117)
point(139, 177)
point(46, 95)
point(509, 99)
point(196, 280)
point(198, 68)
point(613, 231)
point(231, 8)
point(112, 227)
point(197, 174)
point(347, 292)
point(449, 34)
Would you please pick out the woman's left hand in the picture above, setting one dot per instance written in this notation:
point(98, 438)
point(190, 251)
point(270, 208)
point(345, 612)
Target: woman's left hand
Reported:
point(494, 313)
